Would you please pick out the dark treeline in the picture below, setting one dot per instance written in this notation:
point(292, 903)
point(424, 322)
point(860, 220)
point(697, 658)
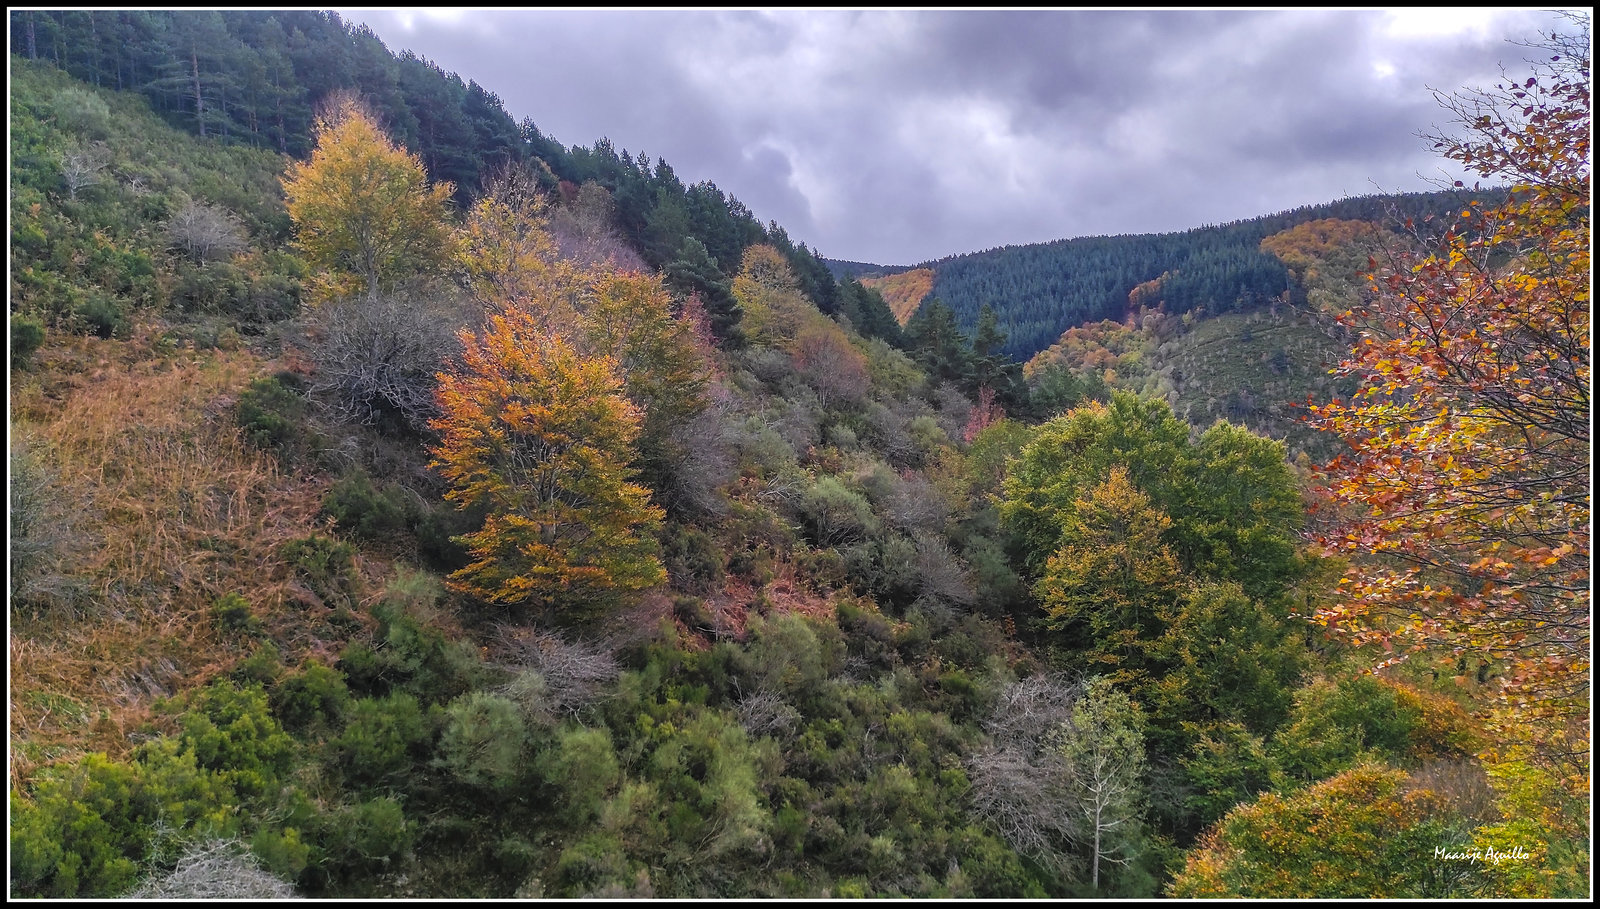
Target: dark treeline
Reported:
point(1039, 290)
point(257, 77)
point(843, 269)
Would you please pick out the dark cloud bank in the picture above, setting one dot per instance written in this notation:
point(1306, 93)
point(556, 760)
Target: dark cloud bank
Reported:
point(901, 136)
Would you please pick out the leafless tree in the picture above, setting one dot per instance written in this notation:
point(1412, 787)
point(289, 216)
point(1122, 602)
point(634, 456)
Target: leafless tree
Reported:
point(765, 712)
point(377, 356)
point(941, 573)
point(954, 409)
point(697, 479)
point(1024, 797)
point(571, 674)
point(1026, 710)
point(80, 168)
point(915, 504)
point(1020, 783)
point(216, 870)
point(205, 232)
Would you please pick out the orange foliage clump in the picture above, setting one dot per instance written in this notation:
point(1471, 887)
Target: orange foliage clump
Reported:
point(903, 292)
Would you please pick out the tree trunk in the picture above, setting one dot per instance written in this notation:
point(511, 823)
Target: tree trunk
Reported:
point(94, 45)
point(283, 134)
point(1097, 849)
point(199, 102)
point(33, 45)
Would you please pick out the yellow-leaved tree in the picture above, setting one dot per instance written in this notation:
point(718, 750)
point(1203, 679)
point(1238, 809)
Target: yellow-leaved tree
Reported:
point(1469, 467)
point(365, 217)
point(542, 439)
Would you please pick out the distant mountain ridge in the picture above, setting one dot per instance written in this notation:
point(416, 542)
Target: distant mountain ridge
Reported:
point(1039, 290)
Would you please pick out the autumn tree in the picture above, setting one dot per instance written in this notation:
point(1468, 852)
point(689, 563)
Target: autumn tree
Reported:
point(365, 217)
point(543, 438)
point(628, 318)
point(1463, 500)
point(505, 250)
point(1112, 573)
point(1366, 833)
point(1233, 502)
point(826, 360)
point(768, 293)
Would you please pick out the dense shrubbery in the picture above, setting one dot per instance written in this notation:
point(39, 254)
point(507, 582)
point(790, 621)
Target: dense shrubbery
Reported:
point(904, 646)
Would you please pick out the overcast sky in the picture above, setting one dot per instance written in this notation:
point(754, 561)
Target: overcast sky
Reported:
point(898, 137)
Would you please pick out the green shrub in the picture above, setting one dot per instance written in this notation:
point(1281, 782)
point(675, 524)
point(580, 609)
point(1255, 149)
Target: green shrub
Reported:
point(692, 559)
point(381, 740)
point(271, 412)
point(591, 863)
point(103, 315)
point(363, 670)
point(437, 529)
point(282, 852)
point(217, 287)
point(483, 740)
point(231, 731)
point(416, 653)
point(82, 112)
point(79, 835)
point(232, 612)
point(692, 612)
point(365, 837)
point(314, 697)
point(87, 828)
point(326, 564)
point(27, 334)
point(262, 667)
point(834, 514)
point(581, 768)
point(360, 509)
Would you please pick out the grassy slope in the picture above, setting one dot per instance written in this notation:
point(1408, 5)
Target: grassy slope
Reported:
point(1255, 369)
point(159, 505)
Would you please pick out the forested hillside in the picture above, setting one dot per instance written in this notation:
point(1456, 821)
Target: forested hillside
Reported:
point(405, 505)
point(1039, 290)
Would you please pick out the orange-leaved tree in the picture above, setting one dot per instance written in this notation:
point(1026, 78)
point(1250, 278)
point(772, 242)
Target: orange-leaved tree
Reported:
point(364, 215)
point(542, 438)
point(1463, 500)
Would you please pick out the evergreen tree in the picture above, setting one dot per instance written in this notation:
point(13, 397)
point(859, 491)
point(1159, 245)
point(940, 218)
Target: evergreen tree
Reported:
point(694, 271)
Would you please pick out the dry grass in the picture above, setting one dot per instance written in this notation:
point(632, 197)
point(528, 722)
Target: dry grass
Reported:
point(179, 510)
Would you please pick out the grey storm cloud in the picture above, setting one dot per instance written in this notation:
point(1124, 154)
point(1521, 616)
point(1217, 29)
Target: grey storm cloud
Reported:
point(902, 136)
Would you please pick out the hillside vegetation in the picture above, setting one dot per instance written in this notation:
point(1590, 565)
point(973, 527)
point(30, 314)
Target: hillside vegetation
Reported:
point(587, 538)
point(904, 292)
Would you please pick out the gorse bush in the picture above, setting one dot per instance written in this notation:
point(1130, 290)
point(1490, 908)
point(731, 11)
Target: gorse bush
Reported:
point(381, 741)
point(483, 740)
point(27, 335)
point(233, 612)
point(272, 412)
point(326, 565)
point(359, 508)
